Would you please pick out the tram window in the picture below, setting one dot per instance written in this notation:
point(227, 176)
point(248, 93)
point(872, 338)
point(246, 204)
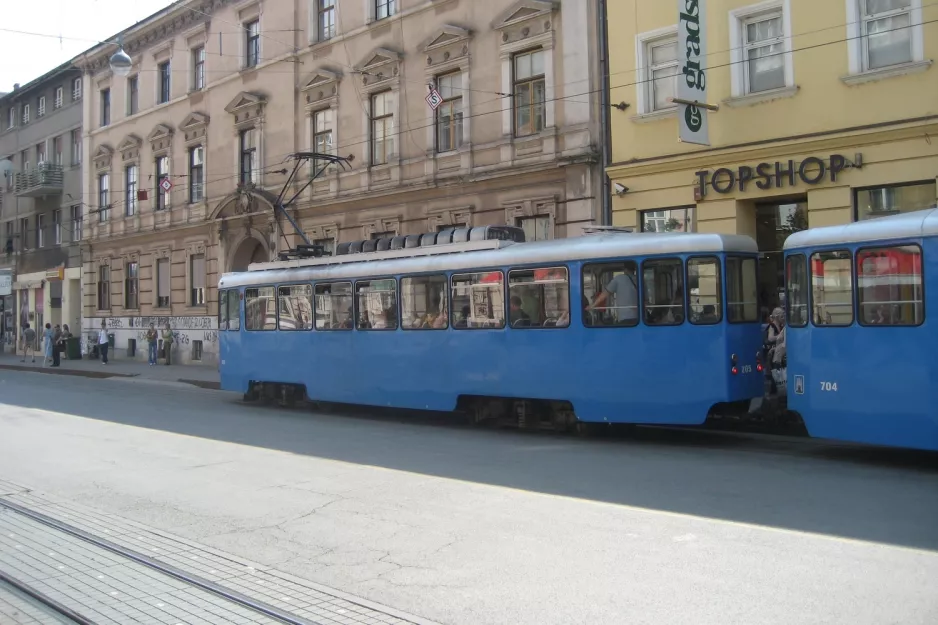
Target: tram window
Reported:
point(539, 298)
point(222, 310)
point(295, 307)
point(663, 296)
point(889, 286)
point(742, 290)
point(832, 288)
point(704, 290)
point(478, 300)
point(377, 304)
point(260, 309)
point(334, 306)
point(423, 303)
point(234, 310)
point(610, 294)
point(796, 290)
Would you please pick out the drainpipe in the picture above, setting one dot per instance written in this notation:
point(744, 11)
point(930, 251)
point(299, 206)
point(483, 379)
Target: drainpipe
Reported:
point(604, 118)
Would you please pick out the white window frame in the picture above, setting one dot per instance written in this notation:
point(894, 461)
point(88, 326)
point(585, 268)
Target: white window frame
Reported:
point(643, 44)
point(196, 64)
point(57, 226)
point(59, 97)
point(246, 42)
point(76, 89)
point(41, 106)
point(77, 218)
point(858, 62)
point(739, 66)
point(25, 114)
point(40, 231)
point(131, 181)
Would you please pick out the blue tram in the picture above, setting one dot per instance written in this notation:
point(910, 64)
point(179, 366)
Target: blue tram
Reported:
point(861, 353)
point(608, 328)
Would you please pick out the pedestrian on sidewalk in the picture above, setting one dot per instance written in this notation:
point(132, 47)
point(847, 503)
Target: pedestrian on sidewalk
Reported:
point(29, 343)
point(168, 343)
point(56, 345)
point(152, 337)
point(47, 344)
point(103, 342)
point(66, 334)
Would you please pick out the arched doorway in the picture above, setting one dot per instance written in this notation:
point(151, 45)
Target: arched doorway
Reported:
point(250, 250)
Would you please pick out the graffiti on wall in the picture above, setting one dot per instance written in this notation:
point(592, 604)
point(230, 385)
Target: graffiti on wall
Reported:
point(186, 330)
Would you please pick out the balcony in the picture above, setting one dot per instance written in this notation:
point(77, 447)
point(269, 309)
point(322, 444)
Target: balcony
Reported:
point(46, 179)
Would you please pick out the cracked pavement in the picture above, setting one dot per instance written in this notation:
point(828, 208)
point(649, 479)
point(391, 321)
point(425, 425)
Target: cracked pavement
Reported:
point(478, 527)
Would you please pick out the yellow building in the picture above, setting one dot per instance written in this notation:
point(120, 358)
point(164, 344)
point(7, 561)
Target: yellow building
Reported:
point(827, 113)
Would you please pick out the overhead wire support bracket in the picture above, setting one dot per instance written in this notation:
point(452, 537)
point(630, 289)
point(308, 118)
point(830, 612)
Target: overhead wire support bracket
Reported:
point(301, 158)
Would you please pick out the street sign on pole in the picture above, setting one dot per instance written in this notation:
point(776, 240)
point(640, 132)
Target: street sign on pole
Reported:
point(166, 185)
point(6, 282)
point(692, 81)
point(434, 99)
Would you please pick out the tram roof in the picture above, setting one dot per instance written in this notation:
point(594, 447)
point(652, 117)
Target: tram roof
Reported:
point(586, 247)
point(916, 224)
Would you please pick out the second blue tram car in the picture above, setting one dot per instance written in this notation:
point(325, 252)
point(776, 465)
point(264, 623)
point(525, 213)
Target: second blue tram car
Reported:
point(861, 349)
point(610, 328)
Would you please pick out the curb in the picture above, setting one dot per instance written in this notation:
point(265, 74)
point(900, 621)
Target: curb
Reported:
point(103, 375)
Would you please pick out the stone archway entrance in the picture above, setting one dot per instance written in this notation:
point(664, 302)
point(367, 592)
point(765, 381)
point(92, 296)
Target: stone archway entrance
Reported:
point(250, 250)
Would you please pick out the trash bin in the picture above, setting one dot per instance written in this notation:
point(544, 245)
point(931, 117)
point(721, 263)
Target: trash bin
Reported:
point(110, 342)
point(73, 348)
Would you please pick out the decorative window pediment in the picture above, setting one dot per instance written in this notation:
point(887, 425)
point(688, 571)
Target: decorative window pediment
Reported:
point(245, 101)
point(193, 127)
point(523, 11)
point(321, 85)
point(130, 142)
point(381, 64)
point(160, 137)
point(102, 156)
point(445, 37)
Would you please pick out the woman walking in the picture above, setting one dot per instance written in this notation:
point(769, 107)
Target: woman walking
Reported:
point(103, 342)
point(47, 346)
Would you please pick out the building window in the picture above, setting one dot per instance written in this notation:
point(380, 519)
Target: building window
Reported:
point(529, 93)
point(104, 209)
point(382, 127)
point(76, 222)
point(323, 142)
point(76, 89)
point(57, 227)
point(24, 232)
point(668, 220)
point(104, 288)
point(130, 286)
point(449, 115)
point(162, 283)
point(132, 95)
point(198, 68)
point(59, 97)
point(197, 280)
point(536, 228)
point(41, 106)
point(40, 231)
point(760, 37)
point(105, 107)
point(384, 8)
point(252, 49)
point(76, 147)
point(130, 190)
point(660, 67)
point(25, 114)
point(162, 173)
point(247, 146)
point(196, 173)
point(887, 32)
point(163, 88)
point(883, 201)
point(11, 117)
point(40, 154)
point(326, 19)
point(57, 150)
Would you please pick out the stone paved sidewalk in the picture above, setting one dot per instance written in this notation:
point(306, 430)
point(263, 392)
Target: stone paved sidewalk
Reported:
point(198, 375)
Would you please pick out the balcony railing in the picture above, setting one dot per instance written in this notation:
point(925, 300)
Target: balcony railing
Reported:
point(46, 179)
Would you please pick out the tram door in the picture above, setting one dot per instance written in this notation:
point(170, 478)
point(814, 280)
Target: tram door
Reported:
point(775, 222)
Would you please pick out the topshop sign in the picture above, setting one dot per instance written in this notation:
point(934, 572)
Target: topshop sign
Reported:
point(811, 171)
point(692, 82)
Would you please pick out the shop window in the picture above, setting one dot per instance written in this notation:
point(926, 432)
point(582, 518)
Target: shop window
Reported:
point(742, 300)
point(539, 298)
point(334, 306)
point(832, 288)
point(663, 293)
point(260, 309)
point(889, 286)
point(610, 294)
point(704, 290)
point(423, 303)
point(478, 300)
point(295, 307)
point(892, 200)
point(796, 285)
point(376, 304)
point(668, 220)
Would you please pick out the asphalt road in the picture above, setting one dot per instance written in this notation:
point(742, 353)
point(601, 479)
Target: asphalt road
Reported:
point(486, 527)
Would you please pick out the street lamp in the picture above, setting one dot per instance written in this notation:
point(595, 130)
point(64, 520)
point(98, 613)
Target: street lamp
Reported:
point(120, 61)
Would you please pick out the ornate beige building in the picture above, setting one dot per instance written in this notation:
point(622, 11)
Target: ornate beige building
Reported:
point(222, 92)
